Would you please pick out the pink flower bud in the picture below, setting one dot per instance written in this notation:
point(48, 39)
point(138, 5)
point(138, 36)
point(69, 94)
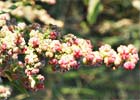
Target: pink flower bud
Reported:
point(105, 48)
point(23, 50)
point(15, 50)
point(40, 86)
point(5, 91)
point(77, 54)
point(35, 71)
point(53, 61)
point(3, 46)
point(10, 52)
point(4, 16)
point(89, 57)
point(124, 52)
point(63, 64)
point(89, 43)
point(53, 35)
point(73, 63)
point(132, 49)
point(21, 64)
point(31, 71)
point(18, 40)
point(28, 72)
point(34, 42)
point(40, 77)
point(134, 58)
point(76, 41)
point(109, 60)
point(56, 45)
point(129, 65)
point(97, 58)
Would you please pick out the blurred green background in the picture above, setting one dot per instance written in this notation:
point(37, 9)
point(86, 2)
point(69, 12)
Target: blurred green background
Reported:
point(114, 22)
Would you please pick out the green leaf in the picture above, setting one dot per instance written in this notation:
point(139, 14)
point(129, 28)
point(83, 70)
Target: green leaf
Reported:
point(94, 8)
point(2, 12)
point(13, 7)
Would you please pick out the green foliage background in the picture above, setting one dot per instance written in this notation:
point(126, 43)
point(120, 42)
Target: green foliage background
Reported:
point(114, 22)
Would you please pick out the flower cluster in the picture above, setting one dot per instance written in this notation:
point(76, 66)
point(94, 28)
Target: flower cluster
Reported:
point(4, 91)
point(125, 56)
point(3, 18)
point(129, 56)
point(25, 50)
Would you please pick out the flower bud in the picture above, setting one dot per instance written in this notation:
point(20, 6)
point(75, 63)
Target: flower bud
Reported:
point(5, 91)
point(129, 65)
point(118, 60)
point(40, 77)
point(53, 35)
point(132, 49)
point(34, 42)
point(49, 54)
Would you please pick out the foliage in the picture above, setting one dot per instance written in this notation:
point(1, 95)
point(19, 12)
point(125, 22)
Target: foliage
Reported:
point(94, 8)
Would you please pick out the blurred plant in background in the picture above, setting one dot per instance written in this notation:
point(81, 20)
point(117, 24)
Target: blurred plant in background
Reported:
point(29, 11)
point(101, 21)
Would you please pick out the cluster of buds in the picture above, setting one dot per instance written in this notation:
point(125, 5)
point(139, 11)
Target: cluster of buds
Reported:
point(25, 50)
point(34, 80)
point(129, 56)
point(3, 18)
point(126, 56)
point(5, 91)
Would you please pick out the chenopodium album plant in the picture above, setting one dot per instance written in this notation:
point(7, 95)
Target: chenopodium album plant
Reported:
point(25, 50)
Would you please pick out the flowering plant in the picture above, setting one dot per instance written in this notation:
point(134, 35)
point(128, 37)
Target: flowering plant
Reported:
point(25, 50)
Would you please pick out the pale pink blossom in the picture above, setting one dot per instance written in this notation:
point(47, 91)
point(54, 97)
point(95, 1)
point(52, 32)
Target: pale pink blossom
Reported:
point(129, 65)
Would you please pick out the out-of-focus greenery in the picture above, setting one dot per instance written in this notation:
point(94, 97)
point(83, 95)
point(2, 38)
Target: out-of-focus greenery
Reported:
point(94, 8)
point(114, 22)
